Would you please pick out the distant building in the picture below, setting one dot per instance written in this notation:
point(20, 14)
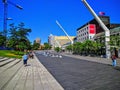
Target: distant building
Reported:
point(38, 40)
point(58, 41)
point(51, 39)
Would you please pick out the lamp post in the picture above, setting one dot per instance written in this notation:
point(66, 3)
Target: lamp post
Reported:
point(5, 2)
point(107, 32)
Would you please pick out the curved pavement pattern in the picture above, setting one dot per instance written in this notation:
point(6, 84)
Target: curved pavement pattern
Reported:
point(80, 74)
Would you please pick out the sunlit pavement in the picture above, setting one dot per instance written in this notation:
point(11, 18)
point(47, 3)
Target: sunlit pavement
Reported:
point(75, 73)
point(94, 59)
point(15, 76)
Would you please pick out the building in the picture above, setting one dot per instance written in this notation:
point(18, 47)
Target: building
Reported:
point(116, 33)
point(58, 41)
point(83, 33)
point(86, 32)
point(38, 40)
point(92, 28)
point(51, 39)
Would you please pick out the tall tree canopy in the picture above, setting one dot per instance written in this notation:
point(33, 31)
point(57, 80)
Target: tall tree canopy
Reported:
point(18, 37)
point(2, 39)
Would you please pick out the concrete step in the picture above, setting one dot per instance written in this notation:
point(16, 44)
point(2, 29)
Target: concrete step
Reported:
point(3, 59)
point(14, 82)
point(9, 65)
point(8, 74)
point(34, 76)
point(5, 62)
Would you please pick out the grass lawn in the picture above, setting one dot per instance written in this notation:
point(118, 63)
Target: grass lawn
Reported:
point(11, 53)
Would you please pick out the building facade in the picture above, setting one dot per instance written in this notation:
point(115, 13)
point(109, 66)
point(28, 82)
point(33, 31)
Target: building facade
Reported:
point(38, 40)
point(58, 41)
point(86, 33)
point(51, 39)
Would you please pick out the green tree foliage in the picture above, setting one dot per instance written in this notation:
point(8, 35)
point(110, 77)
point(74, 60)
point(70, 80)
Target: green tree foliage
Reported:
point(114, 43)
point(77, 47)
point(2, 39)
point(87, 47)
point(57, 49)
point(47, 46)
point(18, 37)
point(35, 46)
point(69, 48)
point(115, 40)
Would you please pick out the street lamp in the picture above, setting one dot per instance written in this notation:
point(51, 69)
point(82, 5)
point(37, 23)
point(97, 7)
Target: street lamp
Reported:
point(107, 31)
point(5, 2)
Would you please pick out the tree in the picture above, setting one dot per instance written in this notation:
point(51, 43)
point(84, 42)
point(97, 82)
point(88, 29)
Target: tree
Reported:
point(2, 39)
point(115, 44)
point(47, 46)
point(69, 48)
point(23, 32)
point(77, 48)
point(87, 47)
point(35, 46)
point(18, 37)
point(88, 44)
point(115, 40)
point(57, 49)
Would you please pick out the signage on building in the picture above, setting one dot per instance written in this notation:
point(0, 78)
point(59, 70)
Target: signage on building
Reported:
point(92, 29)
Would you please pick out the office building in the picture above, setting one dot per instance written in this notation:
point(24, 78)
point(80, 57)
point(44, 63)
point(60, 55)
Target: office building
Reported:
point(92, 29)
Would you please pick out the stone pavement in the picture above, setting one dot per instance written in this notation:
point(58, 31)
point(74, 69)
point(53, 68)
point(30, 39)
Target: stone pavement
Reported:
point(32, 77)
point(80, 74)
point(93, 59)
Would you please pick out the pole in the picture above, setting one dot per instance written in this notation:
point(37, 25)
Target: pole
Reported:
point(5, 18)
point(64, 31)
point(5, 2)
point(107, 32)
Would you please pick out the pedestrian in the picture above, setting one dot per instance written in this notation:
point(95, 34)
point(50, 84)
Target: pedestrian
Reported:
point(113, 57)
point(31, 55)
point(25, 58)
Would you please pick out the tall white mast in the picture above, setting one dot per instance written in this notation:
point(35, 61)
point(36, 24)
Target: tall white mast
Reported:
point(64, 32)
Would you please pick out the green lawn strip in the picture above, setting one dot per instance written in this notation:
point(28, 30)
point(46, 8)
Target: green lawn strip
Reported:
point(11, 54)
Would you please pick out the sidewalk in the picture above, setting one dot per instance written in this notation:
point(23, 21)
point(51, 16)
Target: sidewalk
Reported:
point(32, 77)
point(93, 59)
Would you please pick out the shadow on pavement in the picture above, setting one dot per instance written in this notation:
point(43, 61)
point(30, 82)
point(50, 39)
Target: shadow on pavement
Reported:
point(117, 68)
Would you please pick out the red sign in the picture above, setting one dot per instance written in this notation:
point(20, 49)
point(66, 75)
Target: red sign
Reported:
point(92, 29)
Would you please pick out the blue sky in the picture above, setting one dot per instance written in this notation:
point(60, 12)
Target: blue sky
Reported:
point(40, 15)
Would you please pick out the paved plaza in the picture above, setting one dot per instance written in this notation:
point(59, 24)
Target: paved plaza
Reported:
point(76, 72)
point(53, 71)
point(15, 76)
